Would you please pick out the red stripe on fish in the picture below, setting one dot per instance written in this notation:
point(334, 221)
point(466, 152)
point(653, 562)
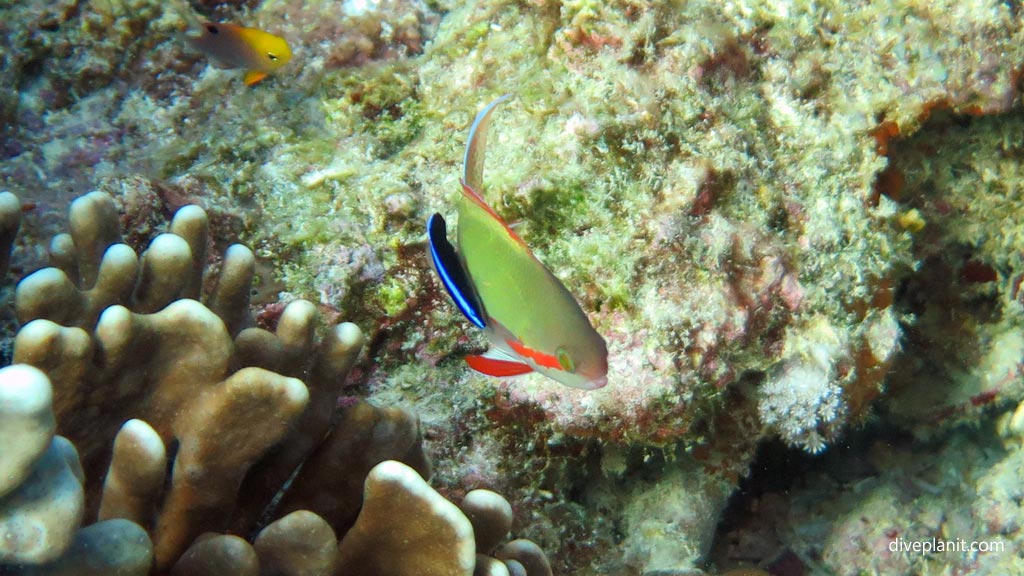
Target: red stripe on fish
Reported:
point(545, 360)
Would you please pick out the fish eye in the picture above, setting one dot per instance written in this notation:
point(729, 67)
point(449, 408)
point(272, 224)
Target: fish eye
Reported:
point(272, 56)
point(212, 29)
point(565, 361)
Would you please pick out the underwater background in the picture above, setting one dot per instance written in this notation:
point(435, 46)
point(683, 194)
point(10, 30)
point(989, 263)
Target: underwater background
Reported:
point(797, 225)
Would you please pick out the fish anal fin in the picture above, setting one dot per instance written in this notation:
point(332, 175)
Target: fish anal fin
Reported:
point(254, 77)
point(493, 366)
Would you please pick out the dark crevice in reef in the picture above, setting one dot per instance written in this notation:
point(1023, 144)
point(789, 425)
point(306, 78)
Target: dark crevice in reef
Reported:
point(949, 183)
point(953, 182)
point(755, 528)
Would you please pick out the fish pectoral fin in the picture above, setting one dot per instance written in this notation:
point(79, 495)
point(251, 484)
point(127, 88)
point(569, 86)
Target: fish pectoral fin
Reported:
point(254, 76)
point(493, 365)
point(453, 274)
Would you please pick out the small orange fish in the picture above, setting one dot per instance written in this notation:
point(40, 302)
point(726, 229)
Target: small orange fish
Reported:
point(232, 46)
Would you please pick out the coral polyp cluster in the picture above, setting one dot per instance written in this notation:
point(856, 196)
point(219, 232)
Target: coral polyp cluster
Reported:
point(801, 401)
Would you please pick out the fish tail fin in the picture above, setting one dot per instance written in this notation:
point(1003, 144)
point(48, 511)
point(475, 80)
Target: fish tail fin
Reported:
point(445, 261)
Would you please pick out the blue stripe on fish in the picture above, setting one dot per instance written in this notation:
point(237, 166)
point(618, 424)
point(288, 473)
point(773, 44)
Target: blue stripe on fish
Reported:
point(453, 275)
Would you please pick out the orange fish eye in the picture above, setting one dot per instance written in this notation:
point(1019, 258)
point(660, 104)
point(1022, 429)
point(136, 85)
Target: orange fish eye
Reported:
point(212, 29)
point(565, 361)
point(272, 56)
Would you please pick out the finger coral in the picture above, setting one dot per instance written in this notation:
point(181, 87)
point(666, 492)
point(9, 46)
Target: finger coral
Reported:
point(26, 423)
point(236, 423)
point(138, 466)
point(10, 221)
point(299, 544)
point(149, 350)
point(214, 554)
point(435, 539)
point(491, 517)
point(43, 500)
point(114, 547)
point(404, 526)
point(364, 436)
point(89, 270)
point(169, 364)
point(221, 435)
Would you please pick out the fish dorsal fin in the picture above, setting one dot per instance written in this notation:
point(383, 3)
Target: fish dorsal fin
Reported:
point(473, 165)
point(474, 197)
point(473, 162)
point(453, 274)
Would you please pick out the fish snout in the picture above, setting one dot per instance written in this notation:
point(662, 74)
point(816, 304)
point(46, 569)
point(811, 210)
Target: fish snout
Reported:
point(598, 382)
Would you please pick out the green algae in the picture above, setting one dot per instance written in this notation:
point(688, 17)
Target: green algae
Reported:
point(392, 296)
point(381, 103)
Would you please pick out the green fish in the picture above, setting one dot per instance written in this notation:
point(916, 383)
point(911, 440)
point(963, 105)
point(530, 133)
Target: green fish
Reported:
point(530, 318)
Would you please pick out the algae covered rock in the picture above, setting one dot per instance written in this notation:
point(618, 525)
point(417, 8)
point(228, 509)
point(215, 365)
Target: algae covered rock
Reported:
point(777, 214)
